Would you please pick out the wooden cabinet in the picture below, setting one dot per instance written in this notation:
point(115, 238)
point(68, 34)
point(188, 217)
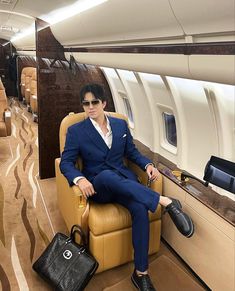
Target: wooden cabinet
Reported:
point(210, 252)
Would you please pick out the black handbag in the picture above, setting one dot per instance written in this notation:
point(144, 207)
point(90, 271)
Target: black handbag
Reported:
point(65, 264)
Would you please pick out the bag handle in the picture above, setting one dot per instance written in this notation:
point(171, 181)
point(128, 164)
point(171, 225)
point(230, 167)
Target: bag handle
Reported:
point(77, 229)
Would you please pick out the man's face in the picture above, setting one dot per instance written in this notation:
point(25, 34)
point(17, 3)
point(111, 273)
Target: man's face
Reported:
point(93, 107)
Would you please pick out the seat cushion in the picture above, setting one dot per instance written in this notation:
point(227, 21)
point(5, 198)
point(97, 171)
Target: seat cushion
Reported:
point(105, 218)
point(3, 130)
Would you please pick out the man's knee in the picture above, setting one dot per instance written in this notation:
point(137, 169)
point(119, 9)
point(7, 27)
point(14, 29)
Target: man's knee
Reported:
point(138, 210)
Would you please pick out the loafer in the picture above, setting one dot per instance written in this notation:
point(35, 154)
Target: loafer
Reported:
point(181, 220)
point(142, 282)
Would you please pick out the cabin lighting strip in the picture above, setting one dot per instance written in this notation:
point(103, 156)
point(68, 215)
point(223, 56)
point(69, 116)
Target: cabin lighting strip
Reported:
point(70, 10)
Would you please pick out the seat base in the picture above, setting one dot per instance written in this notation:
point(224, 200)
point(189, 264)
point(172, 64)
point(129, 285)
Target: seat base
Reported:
point(115, 248)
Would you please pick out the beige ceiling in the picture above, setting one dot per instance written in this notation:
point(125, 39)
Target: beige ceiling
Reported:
point(118, 22)
point(18, 15)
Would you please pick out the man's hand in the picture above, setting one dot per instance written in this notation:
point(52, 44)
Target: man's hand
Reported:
point(86, 187)
point(152, 172)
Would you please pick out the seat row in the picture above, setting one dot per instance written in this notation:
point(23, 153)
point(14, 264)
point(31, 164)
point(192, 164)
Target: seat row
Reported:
point(5, 113)
point(29, 90)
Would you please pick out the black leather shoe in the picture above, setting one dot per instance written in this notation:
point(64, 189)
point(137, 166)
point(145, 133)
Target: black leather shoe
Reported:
point(181, 220)
point(142, 282)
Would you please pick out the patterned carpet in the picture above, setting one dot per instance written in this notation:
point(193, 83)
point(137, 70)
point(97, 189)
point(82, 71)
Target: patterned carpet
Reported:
point(25, 227)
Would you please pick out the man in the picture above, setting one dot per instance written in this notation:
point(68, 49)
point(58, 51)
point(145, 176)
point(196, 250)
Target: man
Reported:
point(102, 142)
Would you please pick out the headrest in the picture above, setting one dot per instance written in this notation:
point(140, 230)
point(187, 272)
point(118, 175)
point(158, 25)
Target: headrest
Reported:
point(73, 118)
point(1, 85)
point(28, 71)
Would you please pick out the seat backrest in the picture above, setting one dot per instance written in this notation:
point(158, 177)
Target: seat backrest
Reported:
point(33, 83)
point(73, 118)
point(1, 85)
point(3, 100)
point(26, 72)
point(28, 75)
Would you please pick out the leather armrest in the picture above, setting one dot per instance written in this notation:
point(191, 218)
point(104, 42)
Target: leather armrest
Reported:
point(7, 119)
point(143, 177)
point(73, 206)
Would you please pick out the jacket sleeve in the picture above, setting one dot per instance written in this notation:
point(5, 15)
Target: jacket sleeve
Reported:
point(69, 156)
point(132, 153)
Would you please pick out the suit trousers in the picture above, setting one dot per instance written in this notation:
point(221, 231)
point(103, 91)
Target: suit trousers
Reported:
point(112, 187)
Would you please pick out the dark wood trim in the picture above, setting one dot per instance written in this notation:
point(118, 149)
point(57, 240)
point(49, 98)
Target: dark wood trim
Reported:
point(212, 48)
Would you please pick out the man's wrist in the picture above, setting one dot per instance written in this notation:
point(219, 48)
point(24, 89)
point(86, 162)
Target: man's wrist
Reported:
point(75, 180)
point(152, 164)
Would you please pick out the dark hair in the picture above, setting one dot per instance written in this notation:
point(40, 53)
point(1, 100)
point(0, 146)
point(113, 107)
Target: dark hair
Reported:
point(96, 89)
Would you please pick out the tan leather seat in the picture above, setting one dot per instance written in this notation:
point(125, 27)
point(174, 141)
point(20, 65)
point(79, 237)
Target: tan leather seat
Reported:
point(22, 82)
point(5, 114)
point(33, 95)
point(28, 76)
point(108, 225)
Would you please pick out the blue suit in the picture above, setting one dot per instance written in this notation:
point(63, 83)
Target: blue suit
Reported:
point(111, 179)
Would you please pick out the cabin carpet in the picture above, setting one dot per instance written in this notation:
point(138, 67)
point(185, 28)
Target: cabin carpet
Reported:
point(25, 224)
point(29, 218)
point(165, 275)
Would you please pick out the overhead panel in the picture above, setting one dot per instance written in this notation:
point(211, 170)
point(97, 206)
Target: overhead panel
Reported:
point(20, 21)
point(205, 16)
point(214, 68)
point(25, 43)
point(42, 7)
point(161, 64)
point(119, 21)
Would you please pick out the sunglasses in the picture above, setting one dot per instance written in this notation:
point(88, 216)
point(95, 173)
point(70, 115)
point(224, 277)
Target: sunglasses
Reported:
point(88, 103)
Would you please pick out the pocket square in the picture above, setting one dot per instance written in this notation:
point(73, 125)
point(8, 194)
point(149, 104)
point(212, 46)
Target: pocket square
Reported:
point(124, 135)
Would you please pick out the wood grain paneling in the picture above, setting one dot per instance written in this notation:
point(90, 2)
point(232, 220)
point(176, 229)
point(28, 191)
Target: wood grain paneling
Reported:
point(59, 85)
point(7, 67)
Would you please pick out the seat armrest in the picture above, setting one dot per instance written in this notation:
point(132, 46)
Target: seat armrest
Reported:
point(7, 119)
point(73, 206)
point(143, 177)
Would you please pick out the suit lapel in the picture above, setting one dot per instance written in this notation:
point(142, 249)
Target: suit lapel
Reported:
point(94, 136)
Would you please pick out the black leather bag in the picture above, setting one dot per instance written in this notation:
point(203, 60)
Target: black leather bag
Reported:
point(65, 264)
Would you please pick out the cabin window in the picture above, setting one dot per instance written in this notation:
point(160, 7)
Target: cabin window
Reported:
point(127, 108)
point(170, 128)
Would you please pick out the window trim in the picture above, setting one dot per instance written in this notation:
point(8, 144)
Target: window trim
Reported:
point(163, 140)
point(123, 95)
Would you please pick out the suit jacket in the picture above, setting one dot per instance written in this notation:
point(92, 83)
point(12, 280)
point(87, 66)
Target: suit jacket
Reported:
point(83, 140)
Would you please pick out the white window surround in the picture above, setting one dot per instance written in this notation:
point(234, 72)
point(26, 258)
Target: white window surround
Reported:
point(127, 106)
point(163, 140)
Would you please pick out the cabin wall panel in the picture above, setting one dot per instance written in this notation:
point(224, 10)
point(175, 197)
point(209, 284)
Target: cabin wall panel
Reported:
point(140, 107)
point(159, 97)
point(116, 86)
point(200, 134)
